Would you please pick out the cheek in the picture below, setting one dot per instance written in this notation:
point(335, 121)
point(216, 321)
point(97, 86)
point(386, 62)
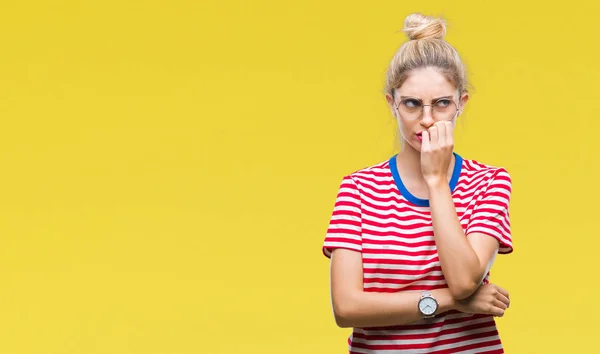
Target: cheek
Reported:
point(404, 126)
point(406, 130)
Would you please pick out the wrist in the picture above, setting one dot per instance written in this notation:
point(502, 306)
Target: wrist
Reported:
point(446, 301)
point(437, 184)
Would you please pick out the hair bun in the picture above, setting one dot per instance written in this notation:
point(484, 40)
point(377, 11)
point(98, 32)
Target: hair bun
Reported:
point(419, 26)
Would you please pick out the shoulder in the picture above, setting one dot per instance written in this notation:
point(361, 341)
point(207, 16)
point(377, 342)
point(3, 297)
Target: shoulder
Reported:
point(484, 174)
point(378, 173)
point(477, 168)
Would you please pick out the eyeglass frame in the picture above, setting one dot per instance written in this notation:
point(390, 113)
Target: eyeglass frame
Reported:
point(424, 105)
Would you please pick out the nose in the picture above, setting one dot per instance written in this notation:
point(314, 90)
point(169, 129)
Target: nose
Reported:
point(427, 116)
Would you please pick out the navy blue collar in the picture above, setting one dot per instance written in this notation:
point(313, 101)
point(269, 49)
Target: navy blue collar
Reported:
point(408, 195)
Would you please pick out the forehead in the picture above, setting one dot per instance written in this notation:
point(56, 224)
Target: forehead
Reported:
point(426, 83)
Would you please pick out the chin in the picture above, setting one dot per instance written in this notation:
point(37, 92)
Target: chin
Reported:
point(412, 144)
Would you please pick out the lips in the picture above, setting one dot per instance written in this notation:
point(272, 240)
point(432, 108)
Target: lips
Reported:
point(420, 136)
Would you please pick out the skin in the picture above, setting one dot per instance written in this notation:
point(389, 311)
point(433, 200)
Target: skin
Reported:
point(426, 167)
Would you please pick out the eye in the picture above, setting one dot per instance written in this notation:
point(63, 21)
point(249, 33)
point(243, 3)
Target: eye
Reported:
point(443, 103)
point(411, 103)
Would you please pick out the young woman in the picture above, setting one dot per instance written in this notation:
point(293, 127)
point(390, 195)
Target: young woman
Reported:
point(412, 239)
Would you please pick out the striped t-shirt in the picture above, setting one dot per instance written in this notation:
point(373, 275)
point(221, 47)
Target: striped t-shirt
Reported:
point(376, 215)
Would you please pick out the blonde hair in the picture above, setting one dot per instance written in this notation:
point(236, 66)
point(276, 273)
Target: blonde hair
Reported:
point(426, 48)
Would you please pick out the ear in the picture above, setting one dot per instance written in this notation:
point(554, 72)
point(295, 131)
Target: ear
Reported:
point(463, 102)
point(390, 100)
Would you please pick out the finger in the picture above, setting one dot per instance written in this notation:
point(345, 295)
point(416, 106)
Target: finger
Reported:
point(441, 131)
point(434, 136)
point(445, 135)
point(496, 311)
point(499, 304)
point(503, 299)
point(502, 291)
point(449, 133)
point(425, 144)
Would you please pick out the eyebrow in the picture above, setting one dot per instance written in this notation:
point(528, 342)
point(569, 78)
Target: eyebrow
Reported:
point(435, 99)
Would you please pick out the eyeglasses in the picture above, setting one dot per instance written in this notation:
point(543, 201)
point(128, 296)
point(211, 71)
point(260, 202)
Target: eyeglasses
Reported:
point(412, 108)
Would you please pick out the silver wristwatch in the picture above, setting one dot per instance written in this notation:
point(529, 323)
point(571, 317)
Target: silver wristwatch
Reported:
point(428, 305)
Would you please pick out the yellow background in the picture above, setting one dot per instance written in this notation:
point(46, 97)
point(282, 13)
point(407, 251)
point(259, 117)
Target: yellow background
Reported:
point(169, 167)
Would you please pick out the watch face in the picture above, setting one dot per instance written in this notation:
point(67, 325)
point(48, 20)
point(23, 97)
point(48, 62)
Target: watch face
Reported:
point(428, 306)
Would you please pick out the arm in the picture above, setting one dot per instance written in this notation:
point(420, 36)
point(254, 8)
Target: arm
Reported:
point(464, 260)
point(353, 307)
point(465, 257)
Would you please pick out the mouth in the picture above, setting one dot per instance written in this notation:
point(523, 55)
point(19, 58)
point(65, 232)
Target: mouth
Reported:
point(420, 136)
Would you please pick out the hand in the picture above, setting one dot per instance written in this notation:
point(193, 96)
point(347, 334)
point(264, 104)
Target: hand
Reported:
point(436, 152)
point(489, 299)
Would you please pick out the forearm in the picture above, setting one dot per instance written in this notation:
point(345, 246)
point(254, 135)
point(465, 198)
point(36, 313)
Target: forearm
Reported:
point(365, 309)
point(460, 265)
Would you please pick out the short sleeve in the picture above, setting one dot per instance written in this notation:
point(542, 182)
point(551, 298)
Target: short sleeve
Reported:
point(345, 230)
point(491, 214)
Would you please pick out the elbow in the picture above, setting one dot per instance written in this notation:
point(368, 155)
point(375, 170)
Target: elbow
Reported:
point(343, 317)
point(343, 313)
point(463, 289)
point(342, 322)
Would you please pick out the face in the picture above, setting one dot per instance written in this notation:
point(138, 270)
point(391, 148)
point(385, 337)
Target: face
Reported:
point(423, 99)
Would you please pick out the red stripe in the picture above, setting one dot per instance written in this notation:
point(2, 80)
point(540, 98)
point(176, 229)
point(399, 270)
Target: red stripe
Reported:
point(347, 222)
point(347, 213)
point(411, 336)
point(352, 204)
point(402, 271)
point(344, 231)
point(430, 243)
point(432, 345)
point(343, 240)
point(406, 288)
point(403, 253)
point(445, 322)
point(391, 281)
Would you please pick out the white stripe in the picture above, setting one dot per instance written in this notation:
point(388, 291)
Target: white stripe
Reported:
point(502, 199)
point(348, 208)
point(485, 230)
point(351, 199)
point(344, 228)
point(478, 350)
point(385, 256)
point(400, 286)
point(402, 266)
point(395, 215)
point(388, 247)
point(399, 230)
point(330, 244)
point(495, 219)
